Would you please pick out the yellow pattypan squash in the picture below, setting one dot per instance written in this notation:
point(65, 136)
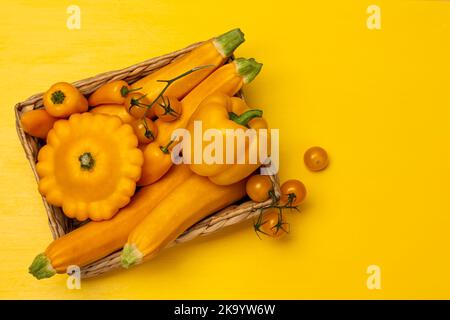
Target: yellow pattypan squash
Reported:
point(89, 166)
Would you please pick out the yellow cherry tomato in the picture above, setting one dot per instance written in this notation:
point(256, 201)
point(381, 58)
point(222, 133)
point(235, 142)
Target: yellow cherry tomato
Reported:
point(137, 104)
point(272, 223)
point(293, 192)
point(145, 130)
point(157, 161)
point(258, 188)
point(168, 108)
point(316, 159)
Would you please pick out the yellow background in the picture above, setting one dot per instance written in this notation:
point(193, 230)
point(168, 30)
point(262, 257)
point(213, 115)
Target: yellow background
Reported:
point(378, 101)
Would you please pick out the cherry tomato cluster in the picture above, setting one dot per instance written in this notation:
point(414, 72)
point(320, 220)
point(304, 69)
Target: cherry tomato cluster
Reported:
point(271, 221)
point(166, 108)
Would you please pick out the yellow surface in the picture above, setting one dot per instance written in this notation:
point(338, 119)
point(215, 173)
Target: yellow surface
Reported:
point(377, 100)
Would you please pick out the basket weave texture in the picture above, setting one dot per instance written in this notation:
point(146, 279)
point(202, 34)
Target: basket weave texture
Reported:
point(60, 225)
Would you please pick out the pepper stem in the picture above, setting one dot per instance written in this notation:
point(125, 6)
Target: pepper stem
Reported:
point(41, 267)
point(165, 149)
point(245, 117)
point(87, 161)
point(130, 256)
point(229, 41)
point(248, 68)
point(58, 97)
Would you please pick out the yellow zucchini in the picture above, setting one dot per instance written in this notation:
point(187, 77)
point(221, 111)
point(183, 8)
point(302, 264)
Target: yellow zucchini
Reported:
point(211, 53)
point(187, 204)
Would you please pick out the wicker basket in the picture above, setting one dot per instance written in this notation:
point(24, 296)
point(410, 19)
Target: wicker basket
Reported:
point(60, 224)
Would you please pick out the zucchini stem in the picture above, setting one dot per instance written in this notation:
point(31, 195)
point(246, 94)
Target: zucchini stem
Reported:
point(229, 41)
point(248, 68)
point(41, 267)
point(130, 256)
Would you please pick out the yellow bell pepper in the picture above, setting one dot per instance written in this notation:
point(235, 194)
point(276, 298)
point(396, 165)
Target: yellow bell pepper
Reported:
point(89, 166)
point(222, 113)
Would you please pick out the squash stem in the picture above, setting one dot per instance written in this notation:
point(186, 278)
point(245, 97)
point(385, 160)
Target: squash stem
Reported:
point(248, 69)
point(41, 267)
point(87, 161)
point(229, 41)
point(130, 256)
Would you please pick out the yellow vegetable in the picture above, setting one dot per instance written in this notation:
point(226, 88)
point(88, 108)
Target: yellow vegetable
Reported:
point(37, 123)
point(63, 99)
point(110, 93)
point(228, 80)
point(190, 202)
point(213, 52)
point(89, 166)
point(95, 240)
point(161, 161)
point(223, 113)
point(145, 130)
point(114, 110)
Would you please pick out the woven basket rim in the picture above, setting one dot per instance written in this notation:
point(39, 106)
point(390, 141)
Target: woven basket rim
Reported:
point(60, 225)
